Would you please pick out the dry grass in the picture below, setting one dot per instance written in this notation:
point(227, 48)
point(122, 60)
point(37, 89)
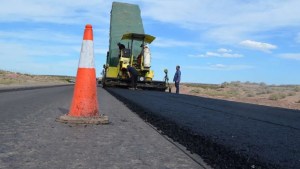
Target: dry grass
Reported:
point(277, 96)
point(286, 96)
point(8, 78)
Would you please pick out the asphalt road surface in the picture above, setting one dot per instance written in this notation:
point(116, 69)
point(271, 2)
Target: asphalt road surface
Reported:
point(30, 137)
point(226, 134)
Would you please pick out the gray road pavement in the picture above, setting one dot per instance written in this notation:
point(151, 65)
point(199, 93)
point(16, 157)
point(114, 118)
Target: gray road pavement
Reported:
point(30, 138)
point(226, 134)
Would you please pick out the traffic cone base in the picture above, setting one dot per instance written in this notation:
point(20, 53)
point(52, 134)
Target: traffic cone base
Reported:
point(83, 120)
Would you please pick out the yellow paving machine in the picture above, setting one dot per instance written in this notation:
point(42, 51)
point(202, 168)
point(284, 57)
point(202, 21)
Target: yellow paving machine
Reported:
point(129, 45)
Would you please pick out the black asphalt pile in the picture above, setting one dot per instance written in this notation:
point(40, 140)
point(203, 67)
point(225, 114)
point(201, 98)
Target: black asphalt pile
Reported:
point(225, 134)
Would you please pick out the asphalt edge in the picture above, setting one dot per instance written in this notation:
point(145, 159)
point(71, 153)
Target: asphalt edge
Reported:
point(216, 155)
point(31, 87)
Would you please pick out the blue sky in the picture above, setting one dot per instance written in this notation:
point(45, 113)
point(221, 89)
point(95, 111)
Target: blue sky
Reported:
point(212, 41)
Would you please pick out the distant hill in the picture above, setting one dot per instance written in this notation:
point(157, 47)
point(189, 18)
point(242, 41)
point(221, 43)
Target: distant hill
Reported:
point(8, 79)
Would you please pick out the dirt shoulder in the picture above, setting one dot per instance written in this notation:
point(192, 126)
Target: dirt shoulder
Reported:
point(15, 80)
point(284, 96)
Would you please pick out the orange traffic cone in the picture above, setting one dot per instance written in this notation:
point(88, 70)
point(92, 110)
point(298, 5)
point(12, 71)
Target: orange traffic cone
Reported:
point(84, 108)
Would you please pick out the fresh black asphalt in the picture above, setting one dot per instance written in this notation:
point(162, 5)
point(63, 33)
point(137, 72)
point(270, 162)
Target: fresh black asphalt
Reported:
point(226, 134)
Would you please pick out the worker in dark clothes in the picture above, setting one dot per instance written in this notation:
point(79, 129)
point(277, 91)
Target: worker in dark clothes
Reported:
point(133, 75)
point(177, 78)
point(121, 48)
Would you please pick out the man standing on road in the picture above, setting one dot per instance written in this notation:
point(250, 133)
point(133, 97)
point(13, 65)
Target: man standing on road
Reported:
point(177, 78)
point(133, 75)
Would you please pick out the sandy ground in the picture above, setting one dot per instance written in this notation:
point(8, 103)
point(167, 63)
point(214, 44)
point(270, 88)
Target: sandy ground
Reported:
point(14, 79)
point(287, 96)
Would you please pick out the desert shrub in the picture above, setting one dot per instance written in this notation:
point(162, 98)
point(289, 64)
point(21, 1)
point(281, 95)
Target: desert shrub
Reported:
point(210, 86)
point(192, 85)
point(204, 86)
point(67, 80)
point(235, 83)
point(265, 91)
point(262, 84)
point(6, 81)
point(291, 94)
point(298, 101)
point(227, 94)
point(213, 93)
point(194, 91)
point(273, 97)
point(297, 89)
point(277, 96)
point(250, 95)
point(224, 85)
point(231, 93)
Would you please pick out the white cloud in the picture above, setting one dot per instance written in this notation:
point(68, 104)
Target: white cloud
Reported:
point(10, 52)
point(222, 52)
point(43, 42)
point(220, 67)
point(232, 55)
point(40, 35)
point(227, 21)
point(208, 54)
point(197, 56)
point(229, 67)
point(265, 47)
point(41, 59)
point(233, 21)
point(55, 11)
point(292, 56)
point(165, 43)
